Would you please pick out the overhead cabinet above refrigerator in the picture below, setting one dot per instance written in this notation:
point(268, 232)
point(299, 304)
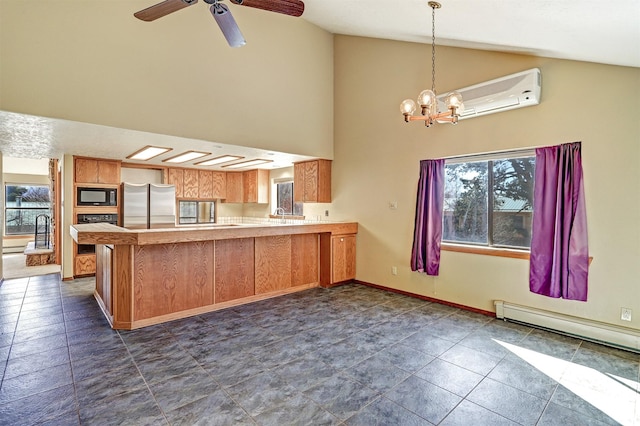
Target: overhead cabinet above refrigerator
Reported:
point(148, 206)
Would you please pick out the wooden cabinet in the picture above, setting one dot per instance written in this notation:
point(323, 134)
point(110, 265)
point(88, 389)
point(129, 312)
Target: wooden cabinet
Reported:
point(343, 248)
point(255, 185)
point(175, 177)
point(205, 184)
point(197, 184)
point(84, 264)
point(218, 185)
point(234, 187)
point(234, 269)
point(191, 183)
point(338, 258)
point(312, 181)
point(273, 263)
point(91, 170)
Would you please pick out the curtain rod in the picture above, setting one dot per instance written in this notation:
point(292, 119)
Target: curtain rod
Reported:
point(524, 152)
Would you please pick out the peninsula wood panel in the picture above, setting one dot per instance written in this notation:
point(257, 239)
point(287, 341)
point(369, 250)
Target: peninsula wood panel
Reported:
point(191, 189)
point(122, 295)
point(175, 177)
point(205, 184)
point(305, 252)
point(234, 187)
point(172, 277)
point(234, 269)
point(273, 263)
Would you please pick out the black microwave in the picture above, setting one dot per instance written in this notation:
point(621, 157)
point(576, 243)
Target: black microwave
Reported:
point(97, 197)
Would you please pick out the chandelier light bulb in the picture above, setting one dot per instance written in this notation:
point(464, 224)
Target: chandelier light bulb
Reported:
point(426, 98)
point(453, 100)
point(408, 106)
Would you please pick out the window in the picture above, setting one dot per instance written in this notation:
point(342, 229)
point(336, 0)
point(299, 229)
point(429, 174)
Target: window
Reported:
point(284, 199)
point(190, 212)
point(23, 203)
point(489, 201)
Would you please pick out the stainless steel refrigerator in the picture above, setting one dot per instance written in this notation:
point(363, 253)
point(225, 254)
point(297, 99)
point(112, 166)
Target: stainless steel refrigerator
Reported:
point(148, 206)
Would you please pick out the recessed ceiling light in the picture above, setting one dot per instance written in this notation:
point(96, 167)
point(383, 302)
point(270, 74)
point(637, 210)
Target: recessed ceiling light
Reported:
point(247, 164)
point(148, 152)
point(186, 156)
point(218, 160)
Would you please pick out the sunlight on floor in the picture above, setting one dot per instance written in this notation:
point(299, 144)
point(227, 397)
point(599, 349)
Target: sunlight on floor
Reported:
point(615, 396)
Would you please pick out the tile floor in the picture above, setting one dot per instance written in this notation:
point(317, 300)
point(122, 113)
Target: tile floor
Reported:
point(350, 355)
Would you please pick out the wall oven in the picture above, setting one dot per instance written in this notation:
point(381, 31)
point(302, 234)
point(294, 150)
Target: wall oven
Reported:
point(94, 218)
point(88, 196)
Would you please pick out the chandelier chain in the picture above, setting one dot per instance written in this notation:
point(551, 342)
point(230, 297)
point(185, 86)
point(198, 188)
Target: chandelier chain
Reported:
point(433, 49)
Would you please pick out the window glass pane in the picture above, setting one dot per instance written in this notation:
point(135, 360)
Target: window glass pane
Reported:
point(284, 191)
point(513, 201)
point(23, 203)
point(465, 203)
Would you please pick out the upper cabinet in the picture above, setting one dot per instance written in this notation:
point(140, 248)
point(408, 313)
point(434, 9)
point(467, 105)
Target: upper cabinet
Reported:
point(197, 184)
point(312, 181)
point(175, 177)
point(255, 184)
point(234, 187)
point(92, 170)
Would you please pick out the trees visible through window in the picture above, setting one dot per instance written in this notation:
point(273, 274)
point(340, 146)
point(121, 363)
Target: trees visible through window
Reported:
point(23, 203)
point(284, 199)
point(489, 202)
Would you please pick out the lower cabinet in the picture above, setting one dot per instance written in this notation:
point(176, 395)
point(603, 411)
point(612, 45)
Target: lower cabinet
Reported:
point(84, 264)
point(338, 254)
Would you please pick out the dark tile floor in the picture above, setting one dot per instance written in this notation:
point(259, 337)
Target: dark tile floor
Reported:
point(350, 355)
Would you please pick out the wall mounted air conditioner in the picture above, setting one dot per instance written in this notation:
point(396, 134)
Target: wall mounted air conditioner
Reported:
point(502, 94)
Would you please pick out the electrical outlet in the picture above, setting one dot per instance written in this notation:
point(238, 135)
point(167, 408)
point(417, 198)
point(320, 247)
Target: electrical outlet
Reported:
point(394, 270)
point(326, 212)
point(625, 314)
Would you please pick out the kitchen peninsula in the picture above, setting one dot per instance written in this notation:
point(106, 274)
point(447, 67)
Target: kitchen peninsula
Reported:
point(150, 276)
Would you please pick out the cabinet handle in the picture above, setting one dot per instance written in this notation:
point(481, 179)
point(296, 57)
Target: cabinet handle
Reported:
point(341, 239)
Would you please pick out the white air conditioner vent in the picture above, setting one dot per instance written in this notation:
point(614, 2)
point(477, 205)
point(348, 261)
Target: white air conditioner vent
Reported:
point(502, 94)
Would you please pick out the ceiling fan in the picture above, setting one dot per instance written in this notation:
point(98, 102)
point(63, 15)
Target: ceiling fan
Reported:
point(222, 14)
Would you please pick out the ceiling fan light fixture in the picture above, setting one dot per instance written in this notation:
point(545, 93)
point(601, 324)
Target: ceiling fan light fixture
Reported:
point(227, 25)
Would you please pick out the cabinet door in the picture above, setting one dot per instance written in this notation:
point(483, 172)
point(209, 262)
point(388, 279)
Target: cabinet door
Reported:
point(250, 186)
point(344, 258)
point(108, 172)
point(84, 265)
point(323, 186)
point(234, 187)
point(190, 183)
point(86, 170)
point(298, 182)
point(176, 177)
point(219, 185)
point(205, 184)
point(311, 181)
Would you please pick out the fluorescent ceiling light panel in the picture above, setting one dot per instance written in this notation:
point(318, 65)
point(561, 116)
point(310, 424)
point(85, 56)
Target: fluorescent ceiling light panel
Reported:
point(186, 156)
point(247, 164)
point(218, 160)
point(148, 152)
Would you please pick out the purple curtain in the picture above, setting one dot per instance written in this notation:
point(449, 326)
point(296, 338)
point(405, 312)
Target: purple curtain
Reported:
point(427, 235)
point(559, 262)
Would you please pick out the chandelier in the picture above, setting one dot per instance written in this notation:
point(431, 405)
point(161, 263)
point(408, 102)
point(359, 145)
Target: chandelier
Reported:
point(427, 98)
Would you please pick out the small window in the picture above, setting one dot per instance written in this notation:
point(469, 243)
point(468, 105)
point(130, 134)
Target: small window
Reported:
point(23, 203)
point(489, 202)
point(284, 199)
point(192, 212)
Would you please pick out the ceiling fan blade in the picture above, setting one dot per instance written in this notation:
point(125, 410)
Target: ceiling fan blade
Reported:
point(287, 7)
point(228, 25)
point(161, 9)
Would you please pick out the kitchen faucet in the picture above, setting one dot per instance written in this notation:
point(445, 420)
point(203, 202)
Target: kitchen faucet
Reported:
point(279, 211)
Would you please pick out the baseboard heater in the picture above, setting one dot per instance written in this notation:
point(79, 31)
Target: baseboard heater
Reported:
point(595, 331)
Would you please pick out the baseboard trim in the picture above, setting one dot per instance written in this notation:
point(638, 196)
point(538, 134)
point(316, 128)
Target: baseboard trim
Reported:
point(427, 298)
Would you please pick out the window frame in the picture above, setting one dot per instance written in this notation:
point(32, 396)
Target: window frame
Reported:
point(7, 208)
point(274, 199)
point(489, 248)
